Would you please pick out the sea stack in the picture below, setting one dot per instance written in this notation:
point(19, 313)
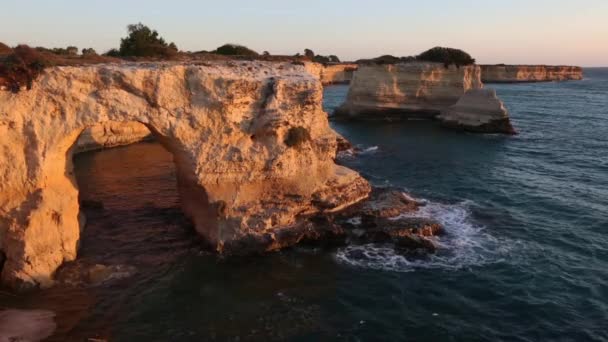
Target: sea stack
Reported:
point(252, 146)
point(406, 90)
point(529, 73)
point(478, 110)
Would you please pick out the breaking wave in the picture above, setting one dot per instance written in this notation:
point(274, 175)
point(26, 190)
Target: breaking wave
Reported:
point(465, 244)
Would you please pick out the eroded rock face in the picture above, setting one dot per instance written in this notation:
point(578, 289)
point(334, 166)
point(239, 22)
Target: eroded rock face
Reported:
point(227, 125)
point(406, 90)
point(111, 134)
point(479, 110)
point(529, 73)
point(341, 73)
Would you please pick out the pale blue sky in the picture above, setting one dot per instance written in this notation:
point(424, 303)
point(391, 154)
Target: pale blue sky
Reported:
point(509, 31)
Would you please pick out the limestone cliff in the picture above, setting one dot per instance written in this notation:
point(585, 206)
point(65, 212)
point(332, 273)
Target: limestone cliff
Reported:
point(111, 134)
point(406, 90)
point(340, 73)
point(529, 73)
point(253, 151)
point(478, 110)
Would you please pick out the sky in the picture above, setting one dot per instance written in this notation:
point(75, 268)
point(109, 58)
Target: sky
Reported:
point(508, 31)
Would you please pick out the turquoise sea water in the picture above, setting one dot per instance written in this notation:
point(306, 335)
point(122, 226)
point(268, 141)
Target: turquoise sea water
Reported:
point(525, 257)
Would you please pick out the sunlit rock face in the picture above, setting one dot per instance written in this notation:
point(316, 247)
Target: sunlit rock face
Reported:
point(478, 110)
point(407, 90)
point(529, 73)
point(253, 151)
point(111, 134)
point(340, 73)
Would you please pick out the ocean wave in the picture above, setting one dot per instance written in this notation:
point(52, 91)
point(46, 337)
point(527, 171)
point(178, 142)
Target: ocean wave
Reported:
point(351, 153)
point(369, 150)
point(464, 245)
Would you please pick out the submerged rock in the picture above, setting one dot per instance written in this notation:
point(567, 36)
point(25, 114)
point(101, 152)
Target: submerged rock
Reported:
point(479, 110)
point(26, 325)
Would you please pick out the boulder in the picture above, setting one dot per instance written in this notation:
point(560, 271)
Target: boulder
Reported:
point(479, 110)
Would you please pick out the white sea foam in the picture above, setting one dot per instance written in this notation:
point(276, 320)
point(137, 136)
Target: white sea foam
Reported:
point(350, 153)
point(369, 150)
point(464, 245)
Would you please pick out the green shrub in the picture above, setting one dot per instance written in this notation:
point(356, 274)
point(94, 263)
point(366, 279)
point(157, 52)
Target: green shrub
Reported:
point(144, 42)
point(234, 50)
point(308, 53)
point(89, 52)
point(447, 56)
point(296, 136)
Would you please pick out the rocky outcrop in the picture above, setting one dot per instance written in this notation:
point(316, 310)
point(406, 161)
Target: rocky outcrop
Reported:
point(529, 73)
point(26, 325)
point(341, 73)
point(478, 110)
point(338, 73)
point(253, 150)
point(111, 134)
point(406, 90)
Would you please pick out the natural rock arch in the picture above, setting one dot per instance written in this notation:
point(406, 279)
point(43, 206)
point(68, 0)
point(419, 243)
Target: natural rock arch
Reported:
point(243, 174)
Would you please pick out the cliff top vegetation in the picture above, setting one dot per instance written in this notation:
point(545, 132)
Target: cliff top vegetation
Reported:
point(446, 56)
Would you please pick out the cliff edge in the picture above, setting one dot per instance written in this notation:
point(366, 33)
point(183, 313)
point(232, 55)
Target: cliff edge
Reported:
point(529, 73)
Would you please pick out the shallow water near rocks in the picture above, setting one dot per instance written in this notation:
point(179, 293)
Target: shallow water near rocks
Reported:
point(525, 256)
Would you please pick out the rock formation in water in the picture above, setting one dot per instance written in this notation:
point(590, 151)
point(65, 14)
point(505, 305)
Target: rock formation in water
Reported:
point(111, 134)
point(529, 73)
point(340, 73)
point(26, 325)
point(253, 150)
point(478, 110)
point(406, 90)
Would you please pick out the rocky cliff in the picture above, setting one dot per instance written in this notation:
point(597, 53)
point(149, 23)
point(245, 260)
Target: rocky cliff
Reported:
point(253, 150)
point(341, 73)
point(529, 73)
point(111, 134)
point(407, 90)
point(478, 110)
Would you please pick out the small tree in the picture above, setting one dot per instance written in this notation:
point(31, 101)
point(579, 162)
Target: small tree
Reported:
point(71, 51)
point(234, 50)
point(89, 52)
point(144, 42)
point(334, 59)
point(308, 53)
point(447, 56)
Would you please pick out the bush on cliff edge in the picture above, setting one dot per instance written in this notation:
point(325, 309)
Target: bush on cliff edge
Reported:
point(144, 42)
point(447, 56)
point(21, 67)
point(234, 50)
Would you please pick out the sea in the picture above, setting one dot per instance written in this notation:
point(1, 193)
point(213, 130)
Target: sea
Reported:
point(524, 258)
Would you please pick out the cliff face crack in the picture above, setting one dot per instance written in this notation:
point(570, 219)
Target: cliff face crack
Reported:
point(225, 126)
